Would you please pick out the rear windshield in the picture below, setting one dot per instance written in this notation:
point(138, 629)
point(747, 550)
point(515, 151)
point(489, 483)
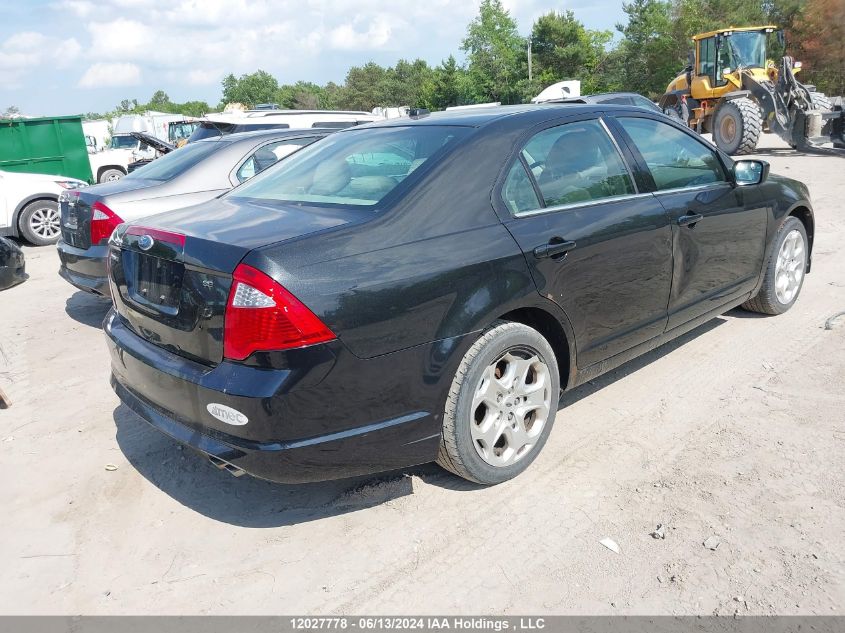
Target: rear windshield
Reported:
point(210, 130)
point(176, 162)
point(358, 167)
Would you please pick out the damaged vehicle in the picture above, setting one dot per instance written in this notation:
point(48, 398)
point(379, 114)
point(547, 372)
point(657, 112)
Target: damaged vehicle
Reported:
point(12, 264)
point(422, 289)
point(195, 173)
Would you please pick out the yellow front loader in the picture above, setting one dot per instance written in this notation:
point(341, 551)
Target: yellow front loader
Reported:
point(733, 90)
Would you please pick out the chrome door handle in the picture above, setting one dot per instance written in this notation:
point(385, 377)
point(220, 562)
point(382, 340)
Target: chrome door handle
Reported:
point(689, 219)
point(553, 248)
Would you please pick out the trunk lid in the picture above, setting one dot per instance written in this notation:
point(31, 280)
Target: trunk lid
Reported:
point(171, 273)
point(76, 210)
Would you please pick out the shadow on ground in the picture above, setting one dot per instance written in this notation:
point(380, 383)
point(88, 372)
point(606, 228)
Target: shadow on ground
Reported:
point(190, 479)
point(87, 309)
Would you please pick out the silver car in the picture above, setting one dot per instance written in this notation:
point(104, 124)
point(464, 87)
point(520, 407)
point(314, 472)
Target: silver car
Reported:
point(190, 175)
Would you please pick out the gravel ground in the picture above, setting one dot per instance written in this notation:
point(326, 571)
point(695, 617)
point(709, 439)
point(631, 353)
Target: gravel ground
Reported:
point(732, 435)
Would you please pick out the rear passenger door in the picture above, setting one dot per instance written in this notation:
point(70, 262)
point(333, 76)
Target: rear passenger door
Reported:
point(719, 229)
point(594, 243)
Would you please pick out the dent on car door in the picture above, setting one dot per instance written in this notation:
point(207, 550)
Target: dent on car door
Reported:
point(594, 244)
point(719, 229)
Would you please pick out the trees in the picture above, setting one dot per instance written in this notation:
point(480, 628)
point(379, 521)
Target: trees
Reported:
point(497, 60)
point(250, 89)
point(820, 32)
point(649, 56)
point(563, 49)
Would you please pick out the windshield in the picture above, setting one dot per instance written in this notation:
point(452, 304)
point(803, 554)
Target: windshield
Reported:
point(124, 142)
point(356, 168)
point(176, 162)
point(746, 49)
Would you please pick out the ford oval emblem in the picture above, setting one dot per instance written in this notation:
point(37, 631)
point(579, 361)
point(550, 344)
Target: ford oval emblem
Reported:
point(145, 242)
point(227, 414)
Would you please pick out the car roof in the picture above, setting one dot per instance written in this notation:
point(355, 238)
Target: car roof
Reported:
point(281, 132)
point(479, 117)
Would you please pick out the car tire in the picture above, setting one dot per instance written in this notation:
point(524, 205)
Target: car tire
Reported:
point(737, 126)
point(785, 270)
point(506, 385)
point(110, 175)
point(40, 222)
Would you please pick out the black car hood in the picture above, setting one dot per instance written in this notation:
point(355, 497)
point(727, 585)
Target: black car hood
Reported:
point(157, 144)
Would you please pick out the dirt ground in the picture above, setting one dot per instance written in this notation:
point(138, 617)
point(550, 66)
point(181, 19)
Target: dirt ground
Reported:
point(736, 431)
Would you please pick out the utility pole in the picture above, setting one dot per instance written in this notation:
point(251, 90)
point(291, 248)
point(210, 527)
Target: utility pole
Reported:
point(529, 58)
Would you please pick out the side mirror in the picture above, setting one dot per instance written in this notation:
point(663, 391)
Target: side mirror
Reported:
point(691, 59)
point(750, 172)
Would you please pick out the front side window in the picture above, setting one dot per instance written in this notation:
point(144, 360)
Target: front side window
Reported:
point(357, 168)
point(674, 158)
point(576, 162)
point(270, 154)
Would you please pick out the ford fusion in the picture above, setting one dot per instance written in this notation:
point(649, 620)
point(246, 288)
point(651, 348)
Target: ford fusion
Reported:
point(422, 290)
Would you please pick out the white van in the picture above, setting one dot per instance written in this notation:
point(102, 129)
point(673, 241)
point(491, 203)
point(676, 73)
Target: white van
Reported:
point(221, 124)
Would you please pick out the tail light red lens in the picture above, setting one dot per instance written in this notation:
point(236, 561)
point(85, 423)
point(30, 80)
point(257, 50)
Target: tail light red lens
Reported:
point(103, 222)
point(261, 315)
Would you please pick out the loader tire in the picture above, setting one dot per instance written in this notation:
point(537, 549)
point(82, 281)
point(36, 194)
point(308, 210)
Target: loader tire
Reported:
point(737, 126)
point(821, 101)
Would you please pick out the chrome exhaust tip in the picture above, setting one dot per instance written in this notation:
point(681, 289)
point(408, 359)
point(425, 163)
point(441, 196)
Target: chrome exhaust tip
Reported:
point(222, 464)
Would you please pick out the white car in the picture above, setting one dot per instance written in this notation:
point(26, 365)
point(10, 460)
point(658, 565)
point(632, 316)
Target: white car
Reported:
point(29, 205)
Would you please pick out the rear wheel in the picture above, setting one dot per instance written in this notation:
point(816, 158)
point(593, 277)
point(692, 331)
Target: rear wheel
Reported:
point(110, 175)
point(501, 405)
point(674, 113)
point(737, 125)
point(785, 269)
point(40, 222)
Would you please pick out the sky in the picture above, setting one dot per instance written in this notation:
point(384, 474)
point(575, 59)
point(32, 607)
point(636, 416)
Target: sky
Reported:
point(60, 57)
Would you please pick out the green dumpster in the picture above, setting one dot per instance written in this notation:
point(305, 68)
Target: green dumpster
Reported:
point(48, 145)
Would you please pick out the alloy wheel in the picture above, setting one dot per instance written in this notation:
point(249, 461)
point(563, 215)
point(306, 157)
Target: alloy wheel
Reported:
point(789, 269)
point(510, 407)
point(45, 223)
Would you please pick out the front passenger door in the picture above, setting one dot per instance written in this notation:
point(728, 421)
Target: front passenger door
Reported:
point(718, 229)
point(594, 244)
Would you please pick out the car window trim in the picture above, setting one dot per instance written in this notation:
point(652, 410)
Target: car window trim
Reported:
point(635, 152)
point(596, 116)
point(580, 204)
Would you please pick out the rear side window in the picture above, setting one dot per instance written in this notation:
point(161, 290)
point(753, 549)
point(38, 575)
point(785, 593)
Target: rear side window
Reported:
point(176, 162)
point(674, 158)
point(355, 168)
point(518, 190)
point(268, 155)
point(576, 162)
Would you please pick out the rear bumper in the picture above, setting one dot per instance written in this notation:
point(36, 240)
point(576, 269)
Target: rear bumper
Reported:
point(307, 424)
point(85, 268)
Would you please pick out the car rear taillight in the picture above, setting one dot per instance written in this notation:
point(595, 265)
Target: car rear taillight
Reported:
point(261, 315)
point(103, 222)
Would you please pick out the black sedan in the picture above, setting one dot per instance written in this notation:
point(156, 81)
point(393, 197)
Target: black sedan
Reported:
point(421, 290)
point(12, 264)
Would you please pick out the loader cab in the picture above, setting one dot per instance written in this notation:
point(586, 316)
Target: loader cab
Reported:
point(726, 52)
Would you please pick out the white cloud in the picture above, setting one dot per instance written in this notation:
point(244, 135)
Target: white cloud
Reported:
point(26, 51)
point(121, 39)
point(346, 37)
point(105, 75)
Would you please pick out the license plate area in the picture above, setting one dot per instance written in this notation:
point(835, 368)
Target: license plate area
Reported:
point(156, 283)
